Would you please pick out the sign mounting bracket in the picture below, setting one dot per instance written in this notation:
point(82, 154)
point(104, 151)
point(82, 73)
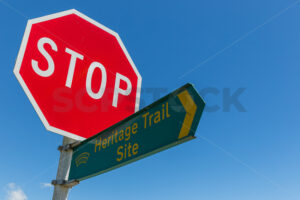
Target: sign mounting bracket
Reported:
point(65, 183)
point(68, 147)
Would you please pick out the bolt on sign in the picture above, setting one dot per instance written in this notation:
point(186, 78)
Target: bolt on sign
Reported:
point(77, 74)
point(167, 122)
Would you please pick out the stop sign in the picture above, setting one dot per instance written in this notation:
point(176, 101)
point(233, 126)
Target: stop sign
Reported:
point(77, 74)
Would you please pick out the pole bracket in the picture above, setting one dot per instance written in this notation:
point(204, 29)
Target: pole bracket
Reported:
point(65, 183)
point(68, 146)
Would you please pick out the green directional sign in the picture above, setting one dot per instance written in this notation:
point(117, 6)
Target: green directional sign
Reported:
point(167, 122)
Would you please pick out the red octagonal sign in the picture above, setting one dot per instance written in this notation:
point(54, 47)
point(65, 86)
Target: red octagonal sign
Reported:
point(77, 74)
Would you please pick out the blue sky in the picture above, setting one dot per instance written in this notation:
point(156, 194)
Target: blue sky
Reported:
point(222, 45)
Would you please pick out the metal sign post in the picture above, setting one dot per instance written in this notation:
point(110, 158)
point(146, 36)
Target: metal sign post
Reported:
point(61, 186)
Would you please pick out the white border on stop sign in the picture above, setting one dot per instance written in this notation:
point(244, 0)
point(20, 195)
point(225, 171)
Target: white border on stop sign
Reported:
point(21, 55)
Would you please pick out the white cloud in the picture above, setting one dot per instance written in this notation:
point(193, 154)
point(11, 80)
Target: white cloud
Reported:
point(47, 185)
point(14, 192)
